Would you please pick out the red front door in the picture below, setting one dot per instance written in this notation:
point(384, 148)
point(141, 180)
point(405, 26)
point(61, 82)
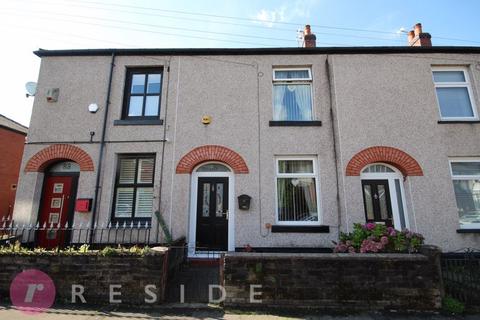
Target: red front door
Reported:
point(55, 211)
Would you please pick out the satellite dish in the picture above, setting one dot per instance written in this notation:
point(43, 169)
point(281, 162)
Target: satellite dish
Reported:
point(31, 88)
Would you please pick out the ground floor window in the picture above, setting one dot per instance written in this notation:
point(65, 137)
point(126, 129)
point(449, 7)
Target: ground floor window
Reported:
point(134, 187)
point(297, 191)
point(466, 184)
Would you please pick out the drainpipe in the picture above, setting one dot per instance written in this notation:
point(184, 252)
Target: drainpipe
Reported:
point(332, 118)
point(102, 147)
point(162, 161)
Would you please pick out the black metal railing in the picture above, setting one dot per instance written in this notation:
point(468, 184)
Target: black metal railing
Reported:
point(56, 235)
point(461, 275)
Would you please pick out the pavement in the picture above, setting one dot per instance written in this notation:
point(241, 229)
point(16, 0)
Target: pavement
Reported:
point(205, 312)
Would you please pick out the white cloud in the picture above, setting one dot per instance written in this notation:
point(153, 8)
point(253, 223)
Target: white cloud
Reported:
point(298, 10)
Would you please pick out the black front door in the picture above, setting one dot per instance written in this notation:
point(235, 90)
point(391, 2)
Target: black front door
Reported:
point(212, 214)
point(376, 200)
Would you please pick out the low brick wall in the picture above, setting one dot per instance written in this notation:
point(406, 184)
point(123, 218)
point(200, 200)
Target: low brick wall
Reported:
point(95, 273)
point(334, 281)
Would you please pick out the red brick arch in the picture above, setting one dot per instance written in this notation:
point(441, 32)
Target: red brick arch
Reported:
point(58, 152)
point(211, 153)
point(396, 157)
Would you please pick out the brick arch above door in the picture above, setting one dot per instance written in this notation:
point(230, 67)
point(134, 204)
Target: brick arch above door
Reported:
point(211, 153)
point(59, 152)
point(393, 156)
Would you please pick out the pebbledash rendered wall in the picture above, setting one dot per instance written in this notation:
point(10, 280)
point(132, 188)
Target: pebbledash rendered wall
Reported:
point(334, 281)
point(363, 100)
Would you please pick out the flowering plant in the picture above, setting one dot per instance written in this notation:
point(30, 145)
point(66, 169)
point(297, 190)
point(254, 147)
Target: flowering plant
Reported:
point(372, 237)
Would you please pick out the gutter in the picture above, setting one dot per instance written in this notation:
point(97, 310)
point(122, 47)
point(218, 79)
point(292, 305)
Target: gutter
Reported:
point(102, 145)
point(258, 51)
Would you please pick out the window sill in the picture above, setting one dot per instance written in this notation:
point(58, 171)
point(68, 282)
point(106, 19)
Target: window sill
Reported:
point(128, 222)
point(458, 121)
point(468, 230)
point(300, 229)
point(146, 122)
point(295, 123)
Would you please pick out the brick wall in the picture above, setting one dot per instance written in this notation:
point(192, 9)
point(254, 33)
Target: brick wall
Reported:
point(96, 273)
point(11, 151)
point(335, 281)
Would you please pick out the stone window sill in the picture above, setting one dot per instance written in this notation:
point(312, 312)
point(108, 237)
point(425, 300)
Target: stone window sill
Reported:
point(148, 122)
point(458, 121)
point(300, 229)
point(468, 230)
point(295, 123)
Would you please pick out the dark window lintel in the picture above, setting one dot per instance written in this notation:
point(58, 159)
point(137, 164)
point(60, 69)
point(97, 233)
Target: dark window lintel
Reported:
point(468, 230)
point(458, 121)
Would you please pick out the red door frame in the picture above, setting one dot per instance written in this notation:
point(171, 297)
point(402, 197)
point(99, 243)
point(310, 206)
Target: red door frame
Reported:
point(71, 206)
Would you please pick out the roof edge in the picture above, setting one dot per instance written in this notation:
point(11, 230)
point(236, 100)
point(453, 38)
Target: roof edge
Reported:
point(255, 51)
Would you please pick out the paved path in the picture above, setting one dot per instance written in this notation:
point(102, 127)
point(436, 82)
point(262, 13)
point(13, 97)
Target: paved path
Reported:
point(106, 313)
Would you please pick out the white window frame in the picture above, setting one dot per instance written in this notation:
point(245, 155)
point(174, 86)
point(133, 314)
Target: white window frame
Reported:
point(467, 84)
point(298, 175)
point(463, 177)
point(294, 81)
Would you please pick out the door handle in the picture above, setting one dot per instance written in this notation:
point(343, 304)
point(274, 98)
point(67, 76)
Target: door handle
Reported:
point(225, 214)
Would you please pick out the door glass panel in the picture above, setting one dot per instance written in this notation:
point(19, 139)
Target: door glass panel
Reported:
point(206, 200)
point(367, 192)
point(219, 200)
point(400, 204)
point(382, 201)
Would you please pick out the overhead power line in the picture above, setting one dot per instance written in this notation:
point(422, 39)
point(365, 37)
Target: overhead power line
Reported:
point(217, 22)
point(258, 21)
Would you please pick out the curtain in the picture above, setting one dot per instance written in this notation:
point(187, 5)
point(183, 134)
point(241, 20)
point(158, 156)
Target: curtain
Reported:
point(292, 102)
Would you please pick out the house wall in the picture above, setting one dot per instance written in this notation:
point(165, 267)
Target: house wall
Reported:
point(391, 101)
point(11, 149)
point(374, 99)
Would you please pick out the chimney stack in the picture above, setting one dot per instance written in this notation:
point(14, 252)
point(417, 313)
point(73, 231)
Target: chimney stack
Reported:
point(309, 39)
point(418, 38)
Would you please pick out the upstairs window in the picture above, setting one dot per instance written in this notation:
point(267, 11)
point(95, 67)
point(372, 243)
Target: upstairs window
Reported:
point(454, 94)
point(297, 196)
point(466, 184)
point(134, 187)
point(292, 94)
point(143, 91)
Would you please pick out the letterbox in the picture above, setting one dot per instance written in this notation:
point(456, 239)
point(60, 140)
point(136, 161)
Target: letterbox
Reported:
point(83, 205)
point(244, 202)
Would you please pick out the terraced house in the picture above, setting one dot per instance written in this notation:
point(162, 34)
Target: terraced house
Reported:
point(274, 149)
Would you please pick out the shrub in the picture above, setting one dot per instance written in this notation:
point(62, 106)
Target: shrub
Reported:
point(372, 237)
point(452, 305)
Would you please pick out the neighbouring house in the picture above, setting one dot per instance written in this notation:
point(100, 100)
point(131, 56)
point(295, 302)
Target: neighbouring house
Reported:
point(12, 141)
point(269, 148)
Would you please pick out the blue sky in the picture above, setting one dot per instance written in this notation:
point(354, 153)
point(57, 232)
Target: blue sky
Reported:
point(57, 24)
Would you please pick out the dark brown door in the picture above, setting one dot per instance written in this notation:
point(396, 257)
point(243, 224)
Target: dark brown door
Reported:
point(376, 200)
point(56, 210)
point(212, 214)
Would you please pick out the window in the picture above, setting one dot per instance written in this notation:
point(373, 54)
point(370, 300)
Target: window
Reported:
point(454, 94)
point(466, 184)
point(143, 92)
point(134, 187)
point(292, 94)
point(297, 190)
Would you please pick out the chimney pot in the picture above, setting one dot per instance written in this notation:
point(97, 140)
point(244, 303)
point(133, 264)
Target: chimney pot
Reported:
point(309, 38)
point(418, 29)
point(418, 38)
